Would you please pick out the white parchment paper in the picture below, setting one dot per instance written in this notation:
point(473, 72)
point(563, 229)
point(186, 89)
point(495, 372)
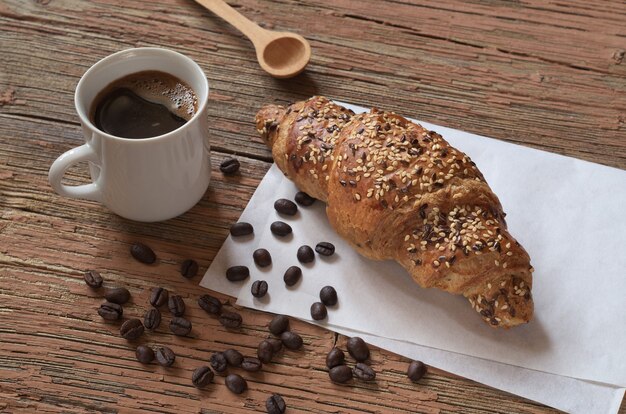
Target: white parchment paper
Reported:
point(566, 212)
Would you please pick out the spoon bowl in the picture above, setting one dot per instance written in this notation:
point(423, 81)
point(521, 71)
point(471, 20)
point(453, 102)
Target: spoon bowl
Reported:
point(285, 55)
point(281, 54)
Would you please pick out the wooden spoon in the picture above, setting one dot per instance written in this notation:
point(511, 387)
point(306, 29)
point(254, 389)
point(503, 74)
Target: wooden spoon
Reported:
point(281, 54)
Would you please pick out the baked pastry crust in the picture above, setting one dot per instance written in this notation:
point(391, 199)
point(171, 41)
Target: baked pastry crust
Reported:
point(395, 190)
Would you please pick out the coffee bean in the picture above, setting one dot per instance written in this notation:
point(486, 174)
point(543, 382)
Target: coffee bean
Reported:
point(165, 356)
point(202, 376)
point(236, 384)
point(131, 329)
point(158, 296)
point(110, 311)
point(93, 279)
point(280, 229)
point(230, 319)
point(364, 372)
point(189, 268)
point(142, 253)
point(318, 311)
point(305, 254)
point(237, 273)
point(335, 357)
point(259, 288)
point(292, 275)
point(152, 319)
point(219, 362)
point(241, 229)
point(304, 199)
point(210, 304)
point(328, 296)
point(358, 349)
point(176, 304)
point(279, 324)
point(262, 257)
point(340, 374)
point(180, 326)
point(233, 357)
point(276, 343)
point(291, 340)
point(118, 295)
point(286, 207)
point(265, 351)
point(325, 248)
point(229, 166)
point(275, 404)
point(416, 370)
point(144, 354)
point(251, 364)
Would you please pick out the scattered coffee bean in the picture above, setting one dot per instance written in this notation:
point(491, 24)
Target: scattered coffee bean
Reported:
point(318, 311)
point(328, 296)
point(340, 374)
point(304, 199)
point(144, 354)
point(275, 404)
point(165, 356)
point(180, 326)
point(110, 311)
point(189, 268)
point(210, 304)
point(241, 229)
point(219, 362)
point(230, 319)
point(335, 357)
point(233, 357)
point(259, 288)
point(325, 248)
point(176, 304)
point(158, 296)
point(292, 275)
point(286, 207)
point(236, 384)
point(276, 343)
point(118, 295)
point(152, 319)
point(237, 273)
point(93, 279)
point(358, 349)
point(305, 254)
point(142, 253)
point(291, 340)
point(251, 364)
point(279, 324)
point(280, 228)
point(131, 329)
point(262, 257)
point(229, 166)
point(202, 376)
point(265, 351)
point(416, 370)
point(364, 372)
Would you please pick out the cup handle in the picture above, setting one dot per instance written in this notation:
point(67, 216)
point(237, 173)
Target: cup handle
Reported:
point(58, 168)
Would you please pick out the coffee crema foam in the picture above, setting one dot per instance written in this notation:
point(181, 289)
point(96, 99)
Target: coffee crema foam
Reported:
point(161, 88)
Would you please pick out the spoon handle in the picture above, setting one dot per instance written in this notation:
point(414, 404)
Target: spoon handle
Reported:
point(250, 29)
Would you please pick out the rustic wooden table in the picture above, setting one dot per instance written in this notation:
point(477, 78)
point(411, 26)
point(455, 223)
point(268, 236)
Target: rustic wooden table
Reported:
point(546, 74)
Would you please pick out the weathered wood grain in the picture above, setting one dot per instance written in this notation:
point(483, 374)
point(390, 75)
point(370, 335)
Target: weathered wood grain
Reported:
point(546, 74)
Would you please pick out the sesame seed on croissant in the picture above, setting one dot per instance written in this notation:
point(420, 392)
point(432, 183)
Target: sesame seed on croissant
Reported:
point(395, 190)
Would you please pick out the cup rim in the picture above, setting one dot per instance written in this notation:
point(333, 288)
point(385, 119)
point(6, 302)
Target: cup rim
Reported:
point(85, 117)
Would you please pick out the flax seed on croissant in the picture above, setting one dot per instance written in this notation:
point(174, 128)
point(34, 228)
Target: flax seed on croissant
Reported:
point(395, 190)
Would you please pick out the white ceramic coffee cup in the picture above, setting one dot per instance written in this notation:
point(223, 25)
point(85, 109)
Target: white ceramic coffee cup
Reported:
point(150, 179)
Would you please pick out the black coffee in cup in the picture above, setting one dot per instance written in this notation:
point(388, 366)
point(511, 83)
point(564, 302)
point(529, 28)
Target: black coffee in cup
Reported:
point(143, 105)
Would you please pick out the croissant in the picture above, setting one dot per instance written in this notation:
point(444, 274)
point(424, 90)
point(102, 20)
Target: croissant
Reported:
point(395, 190)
